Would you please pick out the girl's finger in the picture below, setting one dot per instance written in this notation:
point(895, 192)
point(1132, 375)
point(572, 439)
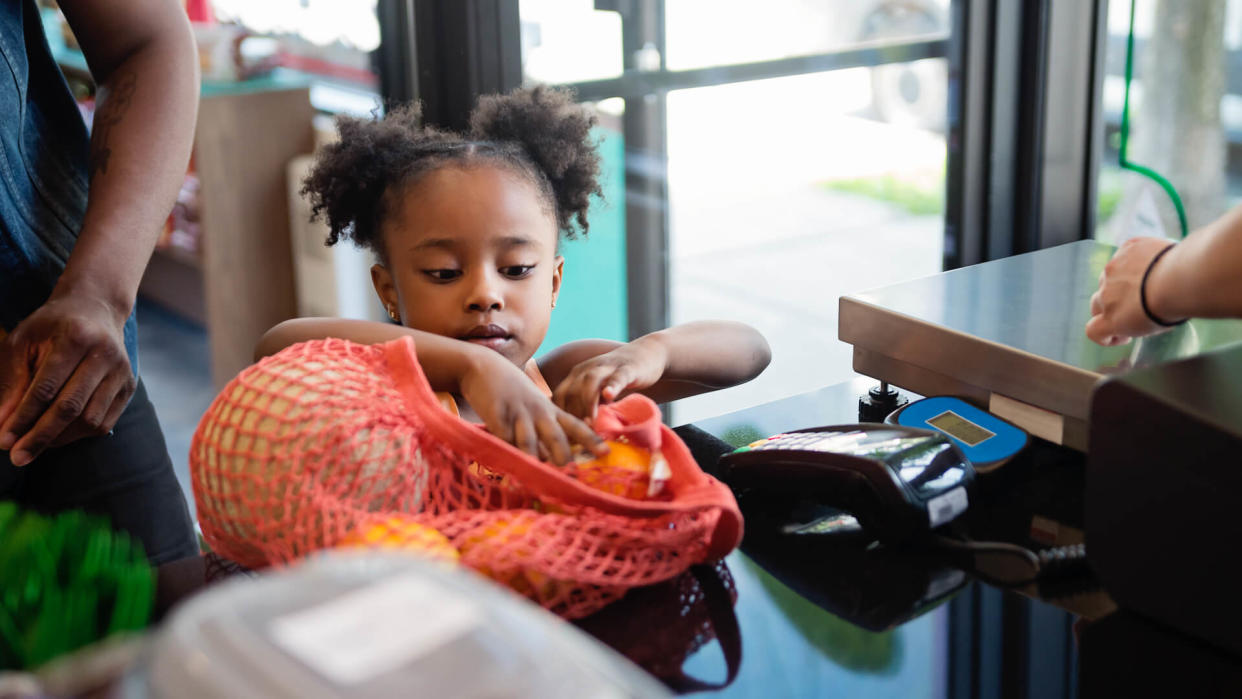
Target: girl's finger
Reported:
point(560, 392)
point(588, 395)
point(524, 436)
point(579, 433)
point(566, 397)
point(566, 394)
point(502, 428)
point(584, 402)
point(615, 385)
point(552, 440)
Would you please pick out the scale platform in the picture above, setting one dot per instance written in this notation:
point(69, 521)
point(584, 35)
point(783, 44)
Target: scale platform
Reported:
point(1008, 335)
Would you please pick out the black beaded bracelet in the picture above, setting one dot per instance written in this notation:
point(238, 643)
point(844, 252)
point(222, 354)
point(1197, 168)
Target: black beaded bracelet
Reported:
point(1143, 292)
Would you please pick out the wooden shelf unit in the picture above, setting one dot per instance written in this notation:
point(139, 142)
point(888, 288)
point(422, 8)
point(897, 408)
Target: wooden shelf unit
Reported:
point(243, 283)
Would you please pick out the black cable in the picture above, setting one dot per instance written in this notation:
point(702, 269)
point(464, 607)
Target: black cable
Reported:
point(1008, 565)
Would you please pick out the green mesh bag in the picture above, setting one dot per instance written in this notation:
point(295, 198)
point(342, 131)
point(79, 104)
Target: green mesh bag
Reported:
point(66, 581)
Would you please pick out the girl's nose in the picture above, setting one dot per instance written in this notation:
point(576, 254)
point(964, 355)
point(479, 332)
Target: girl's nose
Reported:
point(485, 295)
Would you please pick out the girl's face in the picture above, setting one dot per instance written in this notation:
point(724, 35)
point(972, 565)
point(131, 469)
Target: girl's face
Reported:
point(472, 255)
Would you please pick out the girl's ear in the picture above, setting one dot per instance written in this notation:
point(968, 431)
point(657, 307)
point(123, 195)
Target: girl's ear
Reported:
point(557, 270)
point(381, 279)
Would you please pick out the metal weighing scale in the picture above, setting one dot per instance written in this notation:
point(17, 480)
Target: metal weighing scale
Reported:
point(1008, 335)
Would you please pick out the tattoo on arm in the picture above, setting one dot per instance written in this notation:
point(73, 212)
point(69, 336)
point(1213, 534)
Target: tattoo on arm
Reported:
point(115, 104)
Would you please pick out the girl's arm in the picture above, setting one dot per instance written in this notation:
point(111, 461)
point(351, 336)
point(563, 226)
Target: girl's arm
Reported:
point(502, 395)
point(366, 332)
point(666, 365)
point(444, 360)
point(1199, 277)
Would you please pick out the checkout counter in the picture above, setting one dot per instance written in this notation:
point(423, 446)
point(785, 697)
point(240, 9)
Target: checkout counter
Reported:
point(1135, 453)
point(1135, 450)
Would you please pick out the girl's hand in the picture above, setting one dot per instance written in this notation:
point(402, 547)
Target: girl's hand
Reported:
point(1117, 313)
point(630, 367)
point(517, 412)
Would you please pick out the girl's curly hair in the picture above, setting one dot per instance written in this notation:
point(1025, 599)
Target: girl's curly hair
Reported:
point(538, 132)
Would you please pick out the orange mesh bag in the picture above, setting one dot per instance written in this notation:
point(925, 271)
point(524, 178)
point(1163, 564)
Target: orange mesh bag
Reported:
point(308, 447)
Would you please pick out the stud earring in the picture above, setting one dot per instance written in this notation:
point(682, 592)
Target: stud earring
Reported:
point(392, 313)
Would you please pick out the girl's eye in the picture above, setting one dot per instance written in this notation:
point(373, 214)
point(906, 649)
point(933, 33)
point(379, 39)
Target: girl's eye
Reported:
point(516, 271)
point(442, 275)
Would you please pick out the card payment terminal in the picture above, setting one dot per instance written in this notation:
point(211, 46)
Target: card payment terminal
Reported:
point(899, 482)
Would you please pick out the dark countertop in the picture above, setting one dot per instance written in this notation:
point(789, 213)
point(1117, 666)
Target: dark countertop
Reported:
point(815, 616)
point(839, 618)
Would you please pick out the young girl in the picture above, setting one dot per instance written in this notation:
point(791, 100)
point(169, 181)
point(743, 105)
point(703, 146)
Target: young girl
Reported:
point(465, 229)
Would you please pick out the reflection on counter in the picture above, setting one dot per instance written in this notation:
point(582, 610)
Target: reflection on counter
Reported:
point(841, 641)
point(659, 626)
point(843, 570)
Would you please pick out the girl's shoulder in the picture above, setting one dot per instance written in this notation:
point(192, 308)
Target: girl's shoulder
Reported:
point(532, 371)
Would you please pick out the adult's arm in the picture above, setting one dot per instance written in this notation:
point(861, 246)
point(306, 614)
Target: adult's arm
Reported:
point(1199, 277)
point(64, 372)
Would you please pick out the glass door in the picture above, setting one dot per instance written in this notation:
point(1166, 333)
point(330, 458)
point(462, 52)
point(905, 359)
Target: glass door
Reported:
point(770, 158)
point(1181, 117)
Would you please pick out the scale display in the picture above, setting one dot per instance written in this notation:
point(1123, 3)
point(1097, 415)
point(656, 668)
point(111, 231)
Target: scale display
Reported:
point(955, 425)
point(985, 439)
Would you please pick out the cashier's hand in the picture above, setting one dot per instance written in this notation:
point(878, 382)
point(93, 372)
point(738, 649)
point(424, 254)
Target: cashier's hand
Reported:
point(1116, 309)
point(64, 375)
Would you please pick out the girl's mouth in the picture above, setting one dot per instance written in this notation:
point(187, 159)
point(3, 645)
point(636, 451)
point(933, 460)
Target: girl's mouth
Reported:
point(492, 336)
point(495, 343)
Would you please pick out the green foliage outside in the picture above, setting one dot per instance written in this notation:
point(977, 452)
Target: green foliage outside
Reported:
point(910, 197)
point(917, 192)
point(1108, 193)
point(922, 194)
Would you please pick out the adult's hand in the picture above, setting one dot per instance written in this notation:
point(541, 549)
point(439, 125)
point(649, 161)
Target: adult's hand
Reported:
point(1117, 314)
point(64, 375)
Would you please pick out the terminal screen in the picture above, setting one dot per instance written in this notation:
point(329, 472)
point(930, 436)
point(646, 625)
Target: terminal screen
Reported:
point(957, 426)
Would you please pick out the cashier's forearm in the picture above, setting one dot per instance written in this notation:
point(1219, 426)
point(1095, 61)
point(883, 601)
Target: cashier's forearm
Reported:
point(1201, 276)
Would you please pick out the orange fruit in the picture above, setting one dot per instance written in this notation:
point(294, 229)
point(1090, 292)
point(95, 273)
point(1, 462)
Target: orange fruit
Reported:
point(499, 538)
point(626, 470)
point(399, 533)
